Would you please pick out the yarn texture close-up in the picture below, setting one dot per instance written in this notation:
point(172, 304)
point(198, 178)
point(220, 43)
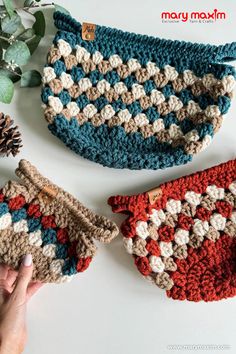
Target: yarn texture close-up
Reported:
point(182, 235)
point(40, 218)
point(133, 101)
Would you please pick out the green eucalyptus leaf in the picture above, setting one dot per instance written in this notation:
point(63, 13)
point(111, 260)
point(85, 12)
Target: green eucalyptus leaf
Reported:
point(6, 89)
point(26, 35)
point(61, 9)
point(9, 7)
point(19, 30)
point(40, 23)
point(11, 24)
point(31, 78)
point(2, 9)
point(27, 3)
point(11, 75)
point(17, 53)
point(33, 43)
point(14, 74)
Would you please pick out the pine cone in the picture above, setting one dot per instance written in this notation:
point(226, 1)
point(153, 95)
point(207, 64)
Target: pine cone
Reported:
point(10, 137)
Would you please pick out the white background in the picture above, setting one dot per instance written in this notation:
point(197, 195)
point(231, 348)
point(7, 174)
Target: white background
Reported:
point(111, 309)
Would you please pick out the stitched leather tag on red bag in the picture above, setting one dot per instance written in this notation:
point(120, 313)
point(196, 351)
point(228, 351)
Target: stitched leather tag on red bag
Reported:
point(88, 31)
point(154, 195)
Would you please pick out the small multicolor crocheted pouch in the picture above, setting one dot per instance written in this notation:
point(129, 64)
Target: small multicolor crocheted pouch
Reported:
point(182, 234)
point(132, 101)
point(40, 218)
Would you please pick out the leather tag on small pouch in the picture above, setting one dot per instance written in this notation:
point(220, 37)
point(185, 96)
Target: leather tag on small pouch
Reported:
point(47, 194)
point(154, 195)
point(88, 31)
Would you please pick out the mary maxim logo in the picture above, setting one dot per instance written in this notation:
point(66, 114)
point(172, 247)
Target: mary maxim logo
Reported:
point(194, 16)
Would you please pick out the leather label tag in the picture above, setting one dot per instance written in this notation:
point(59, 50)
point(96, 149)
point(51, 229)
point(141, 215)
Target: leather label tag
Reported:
point(88, 31)
point(154, 195)
point(47, 194)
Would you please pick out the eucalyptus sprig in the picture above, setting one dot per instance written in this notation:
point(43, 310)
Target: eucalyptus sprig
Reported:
point(18, 43)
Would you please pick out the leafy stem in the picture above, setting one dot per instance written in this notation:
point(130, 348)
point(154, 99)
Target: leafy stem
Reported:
point(34, 5)
point(10, 70)
point(18, 43)
point(4, 38)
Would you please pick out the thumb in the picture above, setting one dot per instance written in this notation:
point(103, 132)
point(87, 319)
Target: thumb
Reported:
point(24, 275)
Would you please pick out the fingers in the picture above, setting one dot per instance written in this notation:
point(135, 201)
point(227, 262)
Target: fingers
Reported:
point(11, 277)
point(24, 277)
point(5, 286)
point(3, 271)
point(33, 288)
point(5, 289)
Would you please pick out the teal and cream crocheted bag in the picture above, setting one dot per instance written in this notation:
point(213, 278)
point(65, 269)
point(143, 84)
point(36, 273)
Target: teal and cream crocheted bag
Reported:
point(133, 101)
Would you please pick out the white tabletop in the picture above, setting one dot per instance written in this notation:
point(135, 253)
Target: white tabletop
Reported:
point(110, 308)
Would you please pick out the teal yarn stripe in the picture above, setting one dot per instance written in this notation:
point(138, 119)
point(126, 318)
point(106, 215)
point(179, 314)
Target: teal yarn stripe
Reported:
point(114, 148)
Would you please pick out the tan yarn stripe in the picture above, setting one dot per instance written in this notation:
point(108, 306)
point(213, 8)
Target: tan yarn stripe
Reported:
point(145, 102)
point(213, 234)
point(86, 247)
point(230, 228)
point(141, 74)
point(53, 55)
point(161, 80)
point(139, 248)
point(180, 252)
point(169, 264)
point(12, 252)
point(162, 280)
point(231, 199)
point(127, 97)
point(195, 241)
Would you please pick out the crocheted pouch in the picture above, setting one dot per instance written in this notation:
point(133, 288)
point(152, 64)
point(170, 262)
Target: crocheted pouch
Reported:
point(40, 218)
point(132, 101)
point(182, 234)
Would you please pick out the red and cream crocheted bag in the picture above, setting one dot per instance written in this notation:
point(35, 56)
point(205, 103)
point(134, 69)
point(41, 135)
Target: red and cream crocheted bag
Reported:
point(182, 234)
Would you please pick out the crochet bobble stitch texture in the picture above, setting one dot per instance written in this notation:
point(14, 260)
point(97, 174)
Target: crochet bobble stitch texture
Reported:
point(134, 101)
point(185, 242)
point(57, 230)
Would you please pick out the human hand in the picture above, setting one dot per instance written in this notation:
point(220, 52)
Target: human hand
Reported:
point(16, 288)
